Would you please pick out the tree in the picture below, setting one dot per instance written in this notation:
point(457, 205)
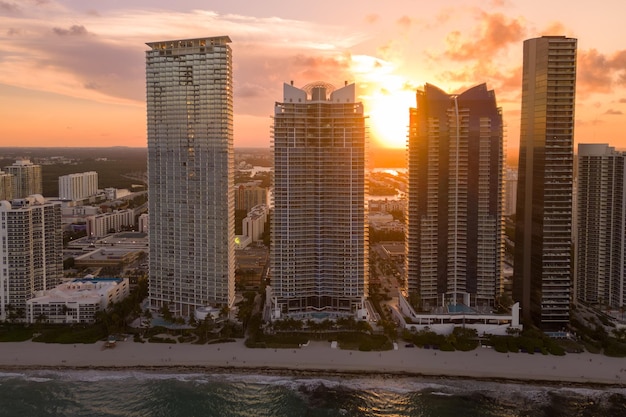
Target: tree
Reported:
point(166, 313)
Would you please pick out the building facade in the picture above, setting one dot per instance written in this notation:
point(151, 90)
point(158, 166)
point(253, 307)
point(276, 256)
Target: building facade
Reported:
point(106, 223)
point(77, 301)
point(31, 252)
point(454, 220)
point(601, 226)
point(248, 196)
point(510, 191)
point(319, 249)
point(190, 174)
point(542, 276)
point(6, 186)
point(27, 178)
point(253, 224)
point(75, 187)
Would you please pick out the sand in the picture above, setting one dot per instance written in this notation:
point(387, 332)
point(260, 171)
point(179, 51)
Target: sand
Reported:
point(482, 363)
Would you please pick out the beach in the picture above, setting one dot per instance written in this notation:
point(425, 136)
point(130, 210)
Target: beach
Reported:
point(319, 357)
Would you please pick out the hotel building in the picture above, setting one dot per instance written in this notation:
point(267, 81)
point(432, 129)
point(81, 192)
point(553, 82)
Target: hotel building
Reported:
point(190, 174)
point(31, 252)
point(542, 276)
point(319, 250)
point(601, 226)
point(455, 198)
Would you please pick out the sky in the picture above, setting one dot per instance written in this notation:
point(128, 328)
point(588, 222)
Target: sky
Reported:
point(72, 72)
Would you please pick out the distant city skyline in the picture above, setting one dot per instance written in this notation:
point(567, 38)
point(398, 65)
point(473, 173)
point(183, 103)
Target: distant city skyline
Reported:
point(72, 71)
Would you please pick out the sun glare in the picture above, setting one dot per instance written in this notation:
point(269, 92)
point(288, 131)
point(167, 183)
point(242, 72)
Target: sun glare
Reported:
point(387, 98)
point(389, 117)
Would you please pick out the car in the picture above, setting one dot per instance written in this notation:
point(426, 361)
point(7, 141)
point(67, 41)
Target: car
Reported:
point(409, 345)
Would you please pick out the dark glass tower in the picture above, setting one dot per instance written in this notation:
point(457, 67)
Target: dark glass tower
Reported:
point(543, 233)
point(454, 233)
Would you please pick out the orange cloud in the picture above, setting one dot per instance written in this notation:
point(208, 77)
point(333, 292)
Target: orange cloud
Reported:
point(404, 22)
point(372, 18)
point(555, 28)
point(597, 72)
point(494, 33)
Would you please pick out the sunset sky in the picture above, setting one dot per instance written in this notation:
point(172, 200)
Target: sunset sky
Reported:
point(72, 72)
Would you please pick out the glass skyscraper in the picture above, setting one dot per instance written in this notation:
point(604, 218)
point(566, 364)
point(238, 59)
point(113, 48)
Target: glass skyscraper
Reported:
point(319, 252)
point(190, 173)
point(542, 277)
point(454, 211)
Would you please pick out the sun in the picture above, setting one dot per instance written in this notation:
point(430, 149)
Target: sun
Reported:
point(389, 117)
point(387, 97)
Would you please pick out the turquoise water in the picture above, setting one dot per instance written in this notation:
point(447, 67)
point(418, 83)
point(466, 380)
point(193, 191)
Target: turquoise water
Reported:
point(135, 393)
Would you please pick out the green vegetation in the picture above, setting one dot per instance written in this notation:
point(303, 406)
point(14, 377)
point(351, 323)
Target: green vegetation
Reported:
point(530, 341)
point(364, 342)
point(71, 334)
point(596, 339)
point(15, 333)
point(377, 236)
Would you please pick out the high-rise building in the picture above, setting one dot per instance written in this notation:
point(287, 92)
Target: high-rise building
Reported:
point(248, 196)
point(190, 174)
point(510, 191)
point(27, 178)
point(75, 187)
point(319, 249)
point(6, 186)
point(542, 275)
point(31, 252)
point(601, 226)
point(454, 211)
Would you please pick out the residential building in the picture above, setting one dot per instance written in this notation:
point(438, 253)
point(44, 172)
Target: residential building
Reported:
point(27, 178)
point(455, 238)
point(254, 222)
point(319, 249)
point(601, 226)
point(542, 276)
point(80, 186)
point(144, 224)
point(31, 252)
point(190, 174)
point(6, 186)
point(77, 301)
point(248, 196)
point(510, 191)
point(106, 223)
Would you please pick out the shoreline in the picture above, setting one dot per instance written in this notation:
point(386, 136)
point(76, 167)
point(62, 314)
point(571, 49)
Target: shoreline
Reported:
point(579, 370)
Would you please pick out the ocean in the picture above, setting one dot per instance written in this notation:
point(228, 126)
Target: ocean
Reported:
point(142, 393)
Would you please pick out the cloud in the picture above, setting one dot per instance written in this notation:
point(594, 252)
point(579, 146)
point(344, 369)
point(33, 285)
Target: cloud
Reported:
point(613, 112)
point(404, 22)
point(75, 30)
point(598, 72)
point(372, 18)
point(106, 62)
point(554, 28)
point(495, 32)
point(9, 7)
